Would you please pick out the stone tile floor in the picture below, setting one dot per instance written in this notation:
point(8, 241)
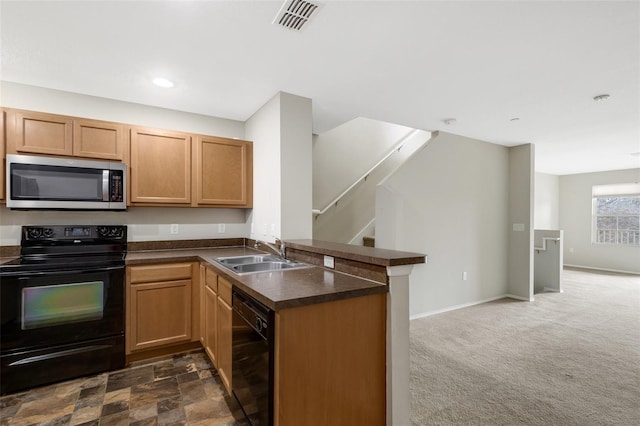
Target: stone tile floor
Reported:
point(180, 390)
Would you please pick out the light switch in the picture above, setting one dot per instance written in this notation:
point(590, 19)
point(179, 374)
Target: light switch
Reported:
point(518, 227)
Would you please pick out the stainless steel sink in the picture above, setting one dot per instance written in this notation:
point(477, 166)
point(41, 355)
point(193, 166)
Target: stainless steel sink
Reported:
point(267, 266)
point(251, 264)
point(254, 258)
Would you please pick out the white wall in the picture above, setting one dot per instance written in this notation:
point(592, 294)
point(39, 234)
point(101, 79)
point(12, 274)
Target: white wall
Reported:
point(296, 160)
point(450, 201)
point(281, 131)
point(546, 210)
point(548, 260)
point(342, 155)
point(521, 190)
point(354, 214)
point(14, 95)
point(145, 223)
point(264, 129)
point(575, 220)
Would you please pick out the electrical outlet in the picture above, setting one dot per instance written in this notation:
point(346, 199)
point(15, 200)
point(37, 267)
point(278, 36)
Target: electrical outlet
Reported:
point(329, 262)
point(174, 228)
point(221, 228)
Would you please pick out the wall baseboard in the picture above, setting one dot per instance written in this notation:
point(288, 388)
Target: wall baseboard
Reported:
point(456, 307)
point(513, 296)
point(602, 269)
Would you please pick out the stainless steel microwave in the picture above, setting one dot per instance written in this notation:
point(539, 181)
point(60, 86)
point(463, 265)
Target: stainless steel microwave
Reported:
point(35, 182)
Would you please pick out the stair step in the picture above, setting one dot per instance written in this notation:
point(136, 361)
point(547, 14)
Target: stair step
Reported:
point(369, 241)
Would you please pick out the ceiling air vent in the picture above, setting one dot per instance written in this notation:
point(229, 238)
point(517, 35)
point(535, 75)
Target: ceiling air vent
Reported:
point(295, 13)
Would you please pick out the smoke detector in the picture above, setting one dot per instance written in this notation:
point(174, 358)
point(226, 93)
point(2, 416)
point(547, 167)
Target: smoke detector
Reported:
point(294, 14)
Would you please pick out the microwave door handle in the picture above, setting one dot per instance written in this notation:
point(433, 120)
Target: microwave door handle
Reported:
point(105, 185)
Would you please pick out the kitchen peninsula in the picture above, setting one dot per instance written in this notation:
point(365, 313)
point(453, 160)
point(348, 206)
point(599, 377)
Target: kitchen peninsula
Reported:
point(331, 340)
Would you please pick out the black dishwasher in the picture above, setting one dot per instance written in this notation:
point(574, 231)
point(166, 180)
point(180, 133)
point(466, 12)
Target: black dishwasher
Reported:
point(252, 358)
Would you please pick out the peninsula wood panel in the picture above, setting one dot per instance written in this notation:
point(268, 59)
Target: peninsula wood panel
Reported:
point(223, 172)
point(98, 139)
point(31, 132)
point(160, 170)
point(330, 363)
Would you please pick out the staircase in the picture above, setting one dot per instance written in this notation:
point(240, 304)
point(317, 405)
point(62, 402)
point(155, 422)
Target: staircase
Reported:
point(347, 169)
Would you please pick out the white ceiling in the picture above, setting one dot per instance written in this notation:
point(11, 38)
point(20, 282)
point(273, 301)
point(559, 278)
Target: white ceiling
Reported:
point(410, 63)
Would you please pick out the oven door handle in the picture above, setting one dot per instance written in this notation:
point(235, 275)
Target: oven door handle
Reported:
point(69, 271)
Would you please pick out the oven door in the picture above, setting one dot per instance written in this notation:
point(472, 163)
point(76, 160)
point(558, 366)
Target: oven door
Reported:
point(55, 307)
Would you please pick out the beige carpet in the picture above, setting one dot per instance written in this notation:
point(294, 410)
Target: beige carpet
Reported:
point(566, 359)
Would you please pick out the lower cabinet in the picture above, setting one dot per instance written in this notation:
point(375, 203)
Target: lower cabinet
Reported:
point(217, 323)
point(160, 305)
point(224, 332)
point(211, 316)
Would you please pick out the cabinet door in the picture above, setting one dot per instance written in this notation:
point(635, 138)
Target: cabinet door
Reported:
point(223, 173)
point(160, 314)
point(39, 133)
point(160, 167)
point(211, 324)
point(224, 343)
point(98, 139)
point(203, 306)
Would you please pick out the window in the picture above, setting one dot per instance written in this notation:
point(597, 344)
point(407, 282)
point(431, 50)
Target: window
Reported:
point(616, 214)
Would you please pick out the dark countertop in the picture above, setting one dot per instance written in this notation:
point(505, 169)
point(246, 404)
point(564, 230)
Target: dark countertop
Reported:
point(372, 255)
point(278, 289)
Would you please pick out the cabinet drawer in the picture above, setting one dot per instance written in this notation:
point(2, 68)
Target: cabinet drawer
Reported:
point(224, 290)
point(159, 272)
point(211, 279)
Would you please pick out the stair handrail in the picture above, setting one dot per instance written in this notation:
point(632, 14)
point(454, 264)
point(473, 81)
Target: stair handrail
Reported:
point(397, 148)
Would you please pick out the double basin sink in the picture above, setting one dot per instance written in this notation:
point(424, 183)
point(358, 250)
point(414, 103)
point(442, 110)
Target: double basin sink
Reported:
point(254, 263)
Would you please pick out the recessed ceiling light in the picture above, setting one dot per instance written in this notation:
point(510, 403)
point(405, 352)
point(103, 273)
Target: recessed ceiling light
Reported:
point(601, 98)
point(163, 82)
point(449, 121)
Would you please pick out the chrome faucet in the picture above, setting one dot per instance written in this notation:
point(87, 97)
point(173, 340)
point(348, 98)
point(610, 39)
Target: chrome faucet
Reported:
point(279, 250)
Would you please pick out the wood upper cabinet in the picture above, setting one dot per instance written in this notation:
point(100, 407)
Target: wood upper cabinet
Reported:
point(98, 139)
point(160, 167)
point(159, 305)
point(31, 132)
point(222, 172)
point(39, 133)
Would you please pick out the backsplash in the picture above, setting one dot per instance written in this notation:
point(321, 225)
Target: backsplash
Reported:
point(144, 223)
